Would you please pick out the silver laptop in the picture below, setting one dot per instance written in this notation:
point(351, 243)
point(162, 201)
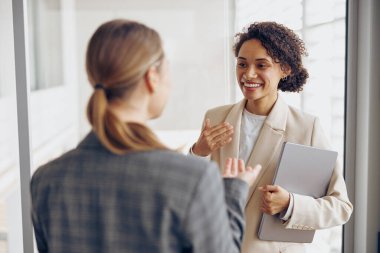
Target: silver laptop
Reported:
point(303, 170)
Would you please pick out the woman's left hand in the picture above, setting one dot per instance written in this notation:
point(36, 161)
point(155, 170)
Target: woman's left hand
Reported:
point(275, 199)
point(235, 168)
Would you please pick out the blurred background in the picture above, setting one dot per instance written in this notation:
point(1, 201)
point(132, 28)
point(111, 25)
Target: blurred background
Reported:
point(198, 38)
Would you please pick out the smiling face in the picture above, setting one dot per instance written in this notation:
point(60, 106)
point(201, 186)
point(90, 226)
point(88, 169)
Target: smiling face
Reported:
point(258, 74)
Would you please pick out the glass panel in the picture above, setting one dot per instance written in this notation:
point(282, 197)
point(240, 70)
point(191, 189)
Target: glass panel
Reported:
point(10, 202)
point(285, 12)
point(318, 13)
point(45, 39)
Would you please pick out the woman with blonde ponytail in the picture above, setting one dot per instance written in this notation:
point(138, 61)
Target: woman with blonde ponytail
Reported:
point(116, 66)
point(121, 189)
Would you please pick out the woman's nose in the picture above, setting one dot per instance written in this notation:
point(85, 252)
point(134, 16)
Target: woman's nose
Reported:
point(251, 72)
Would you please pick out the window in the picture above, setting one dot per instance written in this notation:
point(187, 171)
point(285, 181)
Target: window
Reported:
point(45, 35)
point(6, 50)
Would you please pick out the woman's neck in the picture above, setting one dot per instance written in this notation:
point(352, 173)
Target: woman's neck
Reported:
point(130, 112)
point(261, 106)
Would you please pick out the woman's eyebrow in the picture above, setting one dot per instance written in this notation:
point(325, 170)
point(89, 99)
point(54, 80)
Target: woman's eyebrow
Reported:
point(258, 59)
point(262, 59)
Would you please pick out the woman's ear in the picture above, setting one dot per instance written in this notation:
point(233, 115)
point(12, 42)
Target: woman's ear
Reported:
point(286, 70)
point(151, 79)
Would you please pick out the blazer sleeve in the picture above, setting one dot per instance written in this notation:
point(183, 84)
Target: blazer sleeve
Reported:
point(215, 217)
point(331, 210)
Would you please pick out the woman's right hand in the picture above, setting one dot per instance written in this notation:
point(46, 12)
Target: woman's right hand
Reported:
point(236, 169)
point(213, 138)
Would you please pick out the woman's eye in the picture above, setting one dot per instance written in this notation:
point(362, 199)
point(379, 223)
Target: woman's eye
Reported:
point(261, 66)
point(242, 65)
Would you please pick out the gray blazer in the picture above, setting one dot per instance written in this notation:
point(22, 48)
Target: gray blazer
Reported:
point(90, 200)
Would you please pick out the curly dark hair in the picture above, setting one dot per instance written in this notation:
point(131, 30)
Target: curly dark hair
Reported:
point(283, 45)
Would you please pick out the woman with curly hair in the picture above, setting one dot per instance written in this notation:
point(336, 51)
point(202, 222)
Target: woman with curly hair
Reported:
point(268, 59)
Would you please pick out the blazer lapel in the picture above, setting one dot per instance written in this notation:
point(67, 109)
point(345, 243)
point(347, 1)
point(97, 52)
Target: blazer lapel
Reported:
point(234, 118)
point(269, 140)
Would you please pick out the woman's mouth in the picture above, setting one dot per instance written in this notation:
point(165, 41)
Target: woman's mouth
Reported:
point(252, 85)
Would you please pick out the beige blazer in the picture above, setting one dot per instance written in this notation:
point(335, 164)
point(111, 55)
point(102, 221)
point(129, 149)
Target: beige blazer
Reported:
point(284, 123)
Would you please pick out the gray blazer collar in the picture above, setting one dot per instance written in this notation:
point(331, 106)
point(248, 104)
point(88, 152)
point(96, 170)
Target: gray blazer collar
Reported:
point(91, 141)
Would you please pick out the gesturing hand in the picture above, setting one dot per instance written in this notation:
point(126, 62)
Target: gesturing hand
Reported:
point(274, 198)
point(212, 138)
point(236, 169)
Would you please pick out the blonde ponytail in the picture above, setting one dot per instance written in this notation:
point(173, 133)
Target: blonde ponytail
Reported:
point(118, 137)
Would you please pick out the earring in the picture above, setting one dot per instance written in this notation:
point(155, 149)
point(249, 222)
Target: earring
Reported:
point(284, 78)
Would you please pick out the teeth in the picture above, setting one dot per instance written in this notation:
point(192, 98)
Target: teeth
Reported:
point(252, 85)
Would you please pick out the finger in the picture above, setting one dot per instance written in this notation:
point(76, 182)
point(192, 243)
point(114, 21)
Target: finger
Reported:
point(222, 134)
point(241, 165)
point(264, 210)
point(257, 169)
point(263, 188)
point(227, 168)
point(206, 125)
point(264, 202)
point(234, 167)
point(220, 144)
point(218, 129)
point(272, 188)
point(255, 172)
point(268, 197)
point(262, 207)
point(265, 197)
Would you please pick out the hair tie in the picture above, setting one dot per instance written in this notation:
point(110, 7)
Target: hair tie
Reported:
point(99, 86)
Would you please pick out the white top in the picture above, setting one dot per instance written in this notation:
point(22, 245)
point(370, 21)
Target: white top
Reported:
point(251, 125)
